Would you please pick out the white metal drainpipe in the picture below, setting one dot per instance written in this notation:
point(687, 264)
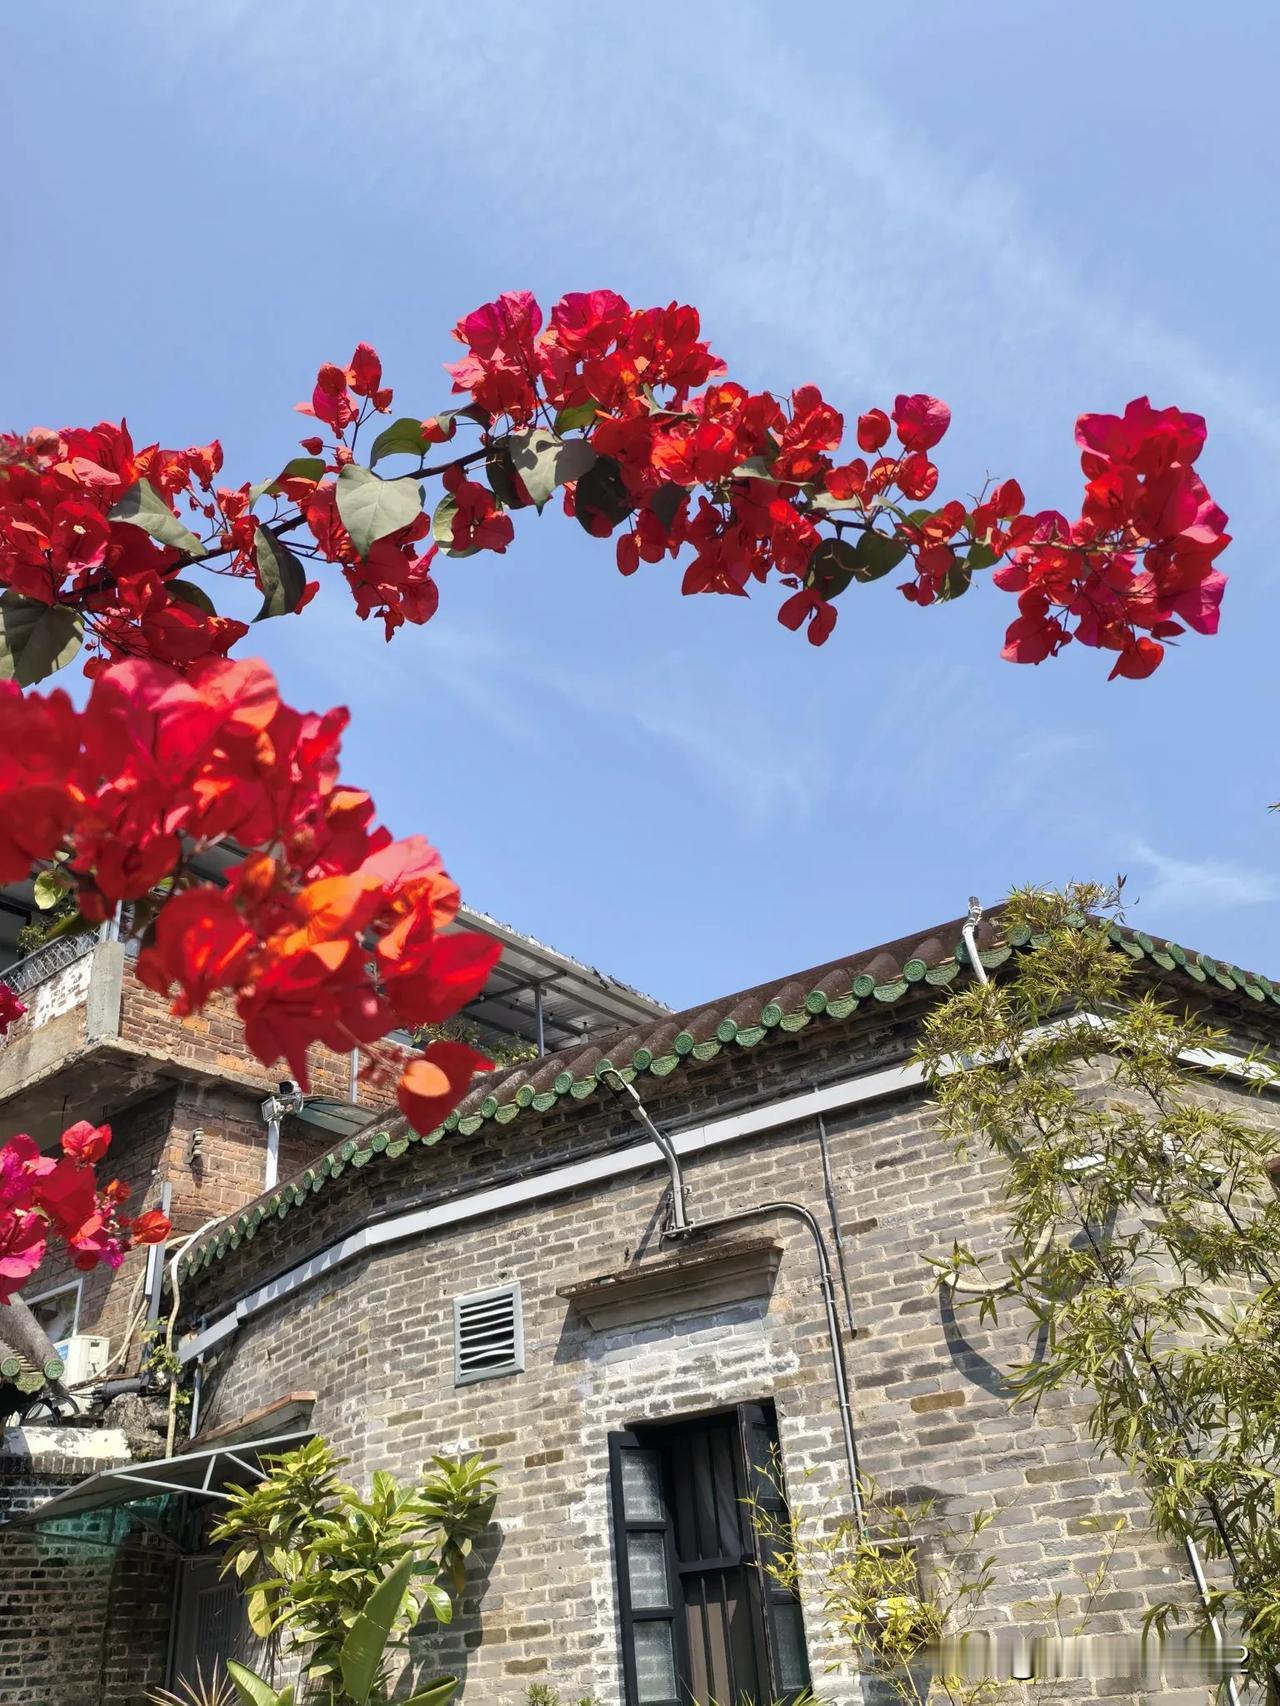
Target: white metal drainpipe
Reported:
point(679, 1226)
point(1188, 1543)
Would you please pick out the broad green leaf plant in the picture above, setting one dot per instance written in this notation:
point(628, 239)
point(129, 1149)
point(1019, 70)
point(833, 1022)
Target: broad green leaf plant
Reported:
point(345, 1578)
point(1145, 1233)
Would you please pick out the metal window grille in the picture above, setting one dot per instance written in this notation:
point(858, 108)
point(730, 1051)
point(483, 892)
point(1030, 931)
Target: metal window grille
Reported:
point(488, 1335)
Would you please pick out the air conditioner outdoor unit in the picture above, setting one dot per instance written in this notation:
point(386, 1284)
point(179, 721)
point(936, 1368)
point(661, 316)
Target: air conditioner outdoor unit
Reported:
point(85, 1357)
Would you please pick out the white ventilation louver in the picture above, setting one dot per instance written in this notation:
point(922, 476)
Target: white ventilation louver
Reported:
point(488, 1335)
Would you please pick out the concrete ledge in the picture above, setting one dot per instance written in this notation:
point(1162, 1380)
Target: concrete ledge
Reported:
point(282, 1416)
point(93, 1447)
point(699, 1276)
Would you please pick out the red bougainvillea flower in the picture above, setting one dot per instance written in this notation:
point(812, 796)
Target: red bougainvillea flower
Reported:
point(11, 1008)
point(500, 367)
point(478, 524)
point(68, 1196)
point(86, 1143)
point(873, 430)
point(809, 607)
point(364, 376)
point(23, 1241)
point(331, 402)
point(44, 1197)
point(921, 421)
point(151, 1227)
point(435, 1082)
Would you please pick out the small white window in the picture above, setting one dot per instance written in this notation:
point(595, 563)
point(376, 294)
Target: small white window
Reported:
point(57, 1311)
point(488, 1335)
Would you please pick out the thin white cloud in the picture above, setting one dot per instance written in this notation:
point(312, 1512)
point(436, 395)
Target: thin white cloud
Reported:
point(889, 262)
point(722, 734)
point(709, 719)
point(1176, 886)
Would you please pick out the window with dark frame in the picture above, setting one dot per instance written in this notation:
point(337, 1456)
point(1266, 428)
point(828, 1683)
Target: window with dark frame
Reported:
point(702, 1620)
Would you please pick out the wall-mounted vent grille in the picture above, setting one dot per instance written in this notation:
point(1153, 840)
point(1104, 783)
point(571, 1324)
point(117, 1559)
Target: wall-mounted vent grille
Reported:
point(488, 1335)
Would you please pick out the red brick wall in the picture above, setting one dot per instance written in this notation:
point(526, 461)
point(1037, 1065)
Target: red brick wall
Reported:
point(213, 1042)
point(151, 1143)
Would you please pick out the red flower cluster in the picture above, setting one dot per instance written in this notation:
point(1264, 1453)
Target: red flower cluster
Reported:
point(1137, 567)
point(45, 1195)
point(742, 485)
point(669, 454)
point(61, 544)
point(335, 934)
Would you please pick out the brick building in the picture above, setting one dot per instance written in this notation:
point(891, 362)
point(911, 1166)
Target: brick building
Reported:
point(506, 1287)
point(192, 1129)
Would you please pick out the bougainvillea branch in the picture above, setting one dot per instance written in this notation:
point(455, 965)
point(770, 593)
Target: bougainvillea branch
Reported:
point(328, 932)
point(628, 416)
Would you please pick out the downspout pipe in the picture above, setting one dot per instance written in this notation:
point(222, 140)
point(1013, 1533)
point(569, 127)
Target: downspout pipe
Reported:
point(680, 1226)
point(677, 1219)
point(1188, 1540)
point(839, 1369)
point(837, 1237)
point(969, 935)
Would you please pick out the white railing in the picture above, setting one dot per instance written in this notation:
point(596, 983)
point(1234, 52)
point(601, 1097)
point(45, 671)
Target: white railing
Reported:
point(47, 960)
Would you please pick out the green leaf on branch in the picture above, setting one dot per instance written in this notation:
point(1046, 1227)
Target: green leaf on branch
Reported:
point(544, 461)
point(142, 506)
point(502, 478)
point(401, 438)
point(281, 576)
point(298, 468)
point(191, 594)
point(50, 886)
point(442, 520)
point(602, 495)
point(980, 557)
point(875, 554)
point(832, 566)
point(665, 503)
point(956, 582)
point(827, 501)
point(361, 1655)
point(448, 419)
point(754, 468)
point(440, 1602)
point(371, 507)
point(36, 638)
point(576, 415)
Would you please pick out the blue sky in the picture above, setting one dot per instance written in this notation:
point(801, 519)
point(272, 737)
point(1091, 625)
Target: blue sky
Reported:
point(1029, 211)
